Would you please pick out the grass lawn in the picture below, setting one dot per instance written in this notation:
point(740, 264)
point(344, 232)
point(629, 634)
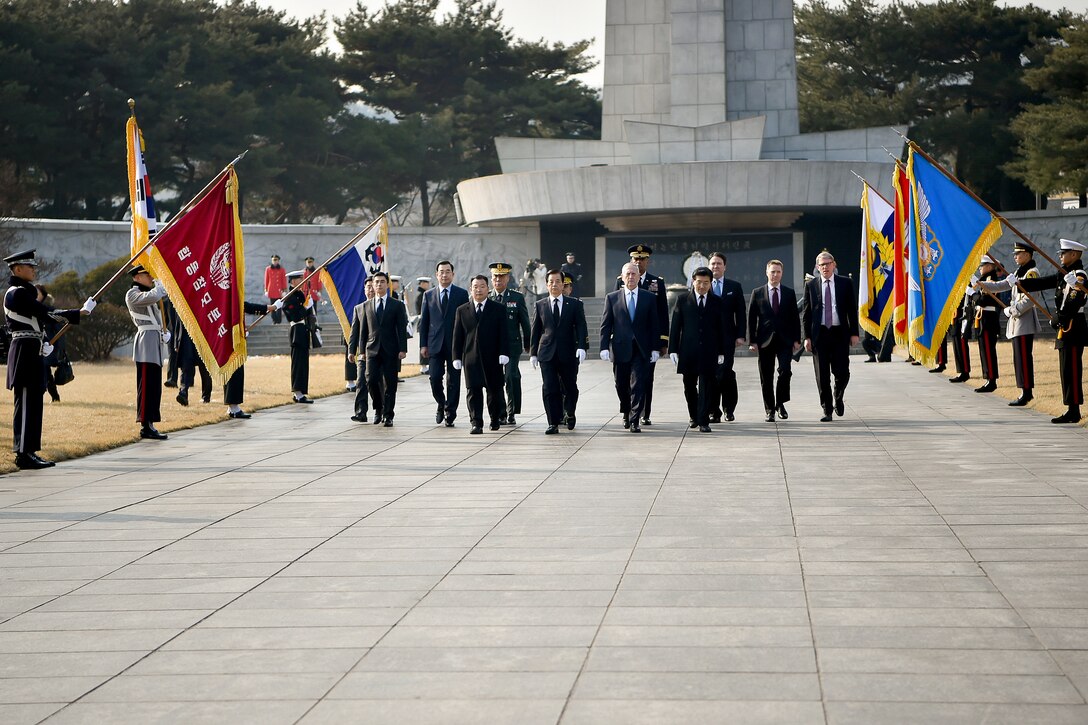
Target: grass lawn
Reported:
point(97, 410)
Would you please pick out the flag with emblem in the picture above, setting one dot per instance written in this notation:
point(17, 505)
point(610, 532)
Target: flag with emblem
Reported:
point(901, 185)
point(345, 277)
point(877, 261)
point(949, 233)
point(200, 259)
point(142, 201)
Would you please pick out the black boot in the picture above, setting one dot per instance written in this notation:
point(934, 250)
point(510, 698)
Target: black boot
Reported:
point(149, 432)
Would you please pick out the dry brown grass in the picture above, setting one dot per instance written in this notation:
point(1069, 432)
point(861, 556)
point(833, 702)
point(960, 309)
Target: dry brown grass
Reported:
point(1048, 386)
point(96, 411)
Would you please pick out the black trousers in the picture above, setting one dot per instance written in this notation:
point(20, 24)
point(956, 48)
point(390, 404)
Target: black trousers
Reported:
point(887, 344)
point(446, 393)
point(632, 378)
point(648, 392)
point(148, 392)
point(870, 343)
point(1023, 361)
point(700, 393)
point(831, 356)
point(725, 393)
point(381, 381)
point(300, 369)
point(27, 419)
point(961, 352)
point(189, 363)
point(1071, 370)
point(775, 394)
point(512, 379)
point(987, 350)
point(234, 390)
point(496, 400)
point(559, 388)
point(362, 389)
point(942, 351)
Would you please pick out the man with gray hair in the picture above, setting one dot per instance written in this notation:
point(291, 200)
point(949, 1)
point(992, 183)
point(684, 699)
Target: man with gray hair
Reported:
point(830, 321)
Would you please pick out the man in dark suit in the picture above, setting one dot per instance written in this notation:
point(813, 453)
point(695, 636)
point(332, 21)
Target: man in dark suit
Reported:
point(698, 338)
point(830, 320)
point(383, 337)
point(479, 349)
point(774, 331)
point(630, 336)
point(556, 344)
point(436, 340)
point(640, 256)
point(724, 396)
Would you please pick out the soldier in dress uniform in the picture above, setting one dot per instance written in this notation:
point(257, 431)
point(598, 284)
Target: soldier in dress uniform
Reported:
point(1069, 298)
point(959, 332)
point(571, 269)
point(987, 325)
point(234, 390)
point(640, 255)
point(148, 348)
point(26, 317)
point(517, 335)
point(297, 307)
point(1023, 321)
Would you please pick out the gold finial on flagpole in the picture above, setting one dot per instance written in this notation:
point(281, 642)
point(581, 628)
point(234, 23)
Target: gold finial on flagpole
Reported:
point(132, 106)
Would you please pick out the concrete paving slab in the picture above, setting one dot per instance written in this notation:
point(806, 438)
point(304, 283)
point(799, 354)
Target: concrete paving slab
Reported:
point(868, 570)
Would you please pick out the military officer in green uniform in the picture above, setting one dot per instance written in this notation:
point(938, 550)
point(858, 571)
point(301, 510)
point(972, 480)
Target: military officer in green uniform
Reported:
point(517, 334)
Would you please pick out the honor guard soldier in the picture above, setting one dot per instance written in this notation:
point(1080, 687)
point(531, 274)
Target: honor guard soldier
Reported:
point(297, 307)
point(517, 335)
point(1023, 321)
point(234, 390)
point(960, 334)
point(987, 325)
point(26, 317)
point(148, 347)
point(640, 255)
point(1069, 298)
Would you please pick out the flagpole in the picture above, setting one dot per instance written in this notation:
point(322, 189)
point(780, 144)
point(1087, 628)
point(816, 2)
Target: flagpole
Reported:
point(936, 164)
point(864, 181)
point(158, 234)
point(321, 266)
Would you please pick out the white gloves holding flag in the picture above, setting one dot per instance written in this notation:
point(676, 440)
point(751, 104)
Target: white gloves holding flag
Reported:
point(457, 365)
point(1012, 281)
point(503, 359)
point(159, 286)
point(534, 361)
point(88, 306)
point(47, 349)
point(581, 355)
point(1071, 279)
point(654, 357)
point(605, 355)
point(166, 336)
point(675, 358)
point(1008, 312)
point(721, 359)
point(278, 304)
point(974, 280)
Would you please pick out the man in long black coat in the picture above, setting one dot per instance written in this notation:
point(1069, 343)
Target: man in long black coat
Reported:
point(697, 345)
point(479, 351)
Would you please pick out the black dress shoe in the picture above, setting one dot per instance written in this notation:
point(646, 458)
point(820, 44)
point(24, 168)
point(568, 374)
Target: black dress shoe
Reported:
point(626, 423)
point(168, 383)
point(730, 417)
point(449, 422)
point(31, 462)
point(388, 423)
point(359, 418)
point(646, 421)
point(938, 369)
point(377, 418)
point(692, 423)
point(552, 430)
point(1070, 416)
point(510, 420)
point(840, 408)
point(770, 416)
point(183, 396)
point(570, 422)
point(476, 430)
point(782, 412)
point(1024, 399)
point(150, 433)
point(205, 398)
point(635, 428)
point(826, 417)
point(872, 359)
point(704, 429)
point(989, 387)
point(494, 425)
point(439, 416)
point(715, 419)
point(240, 415)
point(304, 399)
point(961, 378)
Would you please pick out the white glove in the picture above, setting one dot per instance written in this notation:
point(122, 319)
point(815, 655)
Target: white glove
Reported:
point(46, 349)
point(278, 304)
point(89, 305)
point(581, 355)
point(721, 359)
point(974, 280)
point(654, 357)
point(970, 291)
point(504, 359)
point(1008, 312)
point(605, 356)
point(1071, 279)
point(534, 361)
point(1011, 281)
point(159, 285)
point(166, 336)
point(674, 357)
point(457, 365)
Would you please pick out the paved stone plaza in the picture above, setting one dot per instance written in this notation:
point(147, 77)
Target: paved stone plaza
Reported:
point(921, 560)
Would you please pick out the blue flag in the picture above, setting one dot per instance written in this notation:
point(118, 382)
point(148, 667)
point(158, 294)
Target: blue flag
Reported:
point(949, 232)
point(877, 261)
point(345, 277)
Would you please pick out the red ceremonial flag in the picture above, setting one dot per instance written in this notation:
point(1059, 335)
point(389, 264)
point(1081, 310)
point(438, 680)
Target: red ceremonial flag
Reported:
point(200, 260)
point(901, 183)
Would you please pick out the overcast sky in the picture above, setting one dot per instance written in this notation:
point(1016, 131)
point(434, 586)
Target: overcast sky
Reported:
point(552, 20)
